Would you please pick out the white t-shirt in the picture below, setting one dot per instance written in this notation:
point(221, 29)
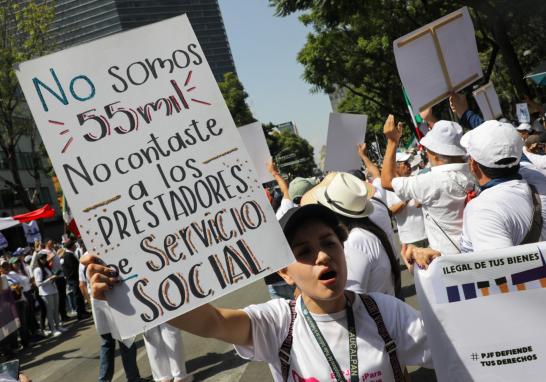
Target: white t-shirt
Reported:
point(45, 287)
point(380, 215)
point(286, 204)
point(21, 280)
point(442, 192)
point(368, 265)
point(410, 222)
point(537, 178)
point(499, 217)
point(270, 322)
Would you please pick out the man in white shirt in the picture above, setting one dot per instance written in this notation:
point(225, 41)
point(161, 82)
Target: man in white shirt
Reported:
point(442, 191)
point(502, 214)
point(407, 213)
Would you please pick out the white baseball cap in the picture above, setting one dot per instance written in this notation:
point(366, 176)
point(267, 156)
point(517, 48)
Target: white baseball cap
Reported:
point(524, 127)
point(403, 157)
point(493, 141)
point(444, 139)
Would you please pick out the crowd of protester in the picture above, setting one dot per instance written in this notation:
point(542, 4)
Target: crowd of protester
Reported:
point(468, 186)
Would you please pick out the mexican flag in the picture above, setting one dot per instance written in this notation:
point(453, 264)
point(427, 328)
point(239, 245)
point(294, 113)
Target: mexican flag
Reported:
point(69, 221)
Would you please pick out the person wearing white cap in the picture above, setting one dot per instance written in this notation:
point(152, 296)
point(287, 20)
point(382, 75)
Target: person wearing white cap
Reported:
point(407, 213)
point(442, 191)
point(490, 220)
point(507, 211)
point(524, 129)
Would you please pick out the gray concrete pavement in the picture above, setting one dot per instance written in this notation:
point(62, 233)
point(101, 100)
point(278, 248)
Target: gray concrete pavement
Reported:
point(74, 356)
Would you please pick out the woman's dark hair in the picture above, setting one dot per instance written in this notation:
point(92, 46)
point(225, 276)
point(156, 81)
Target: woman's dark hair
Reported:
point(366, 224)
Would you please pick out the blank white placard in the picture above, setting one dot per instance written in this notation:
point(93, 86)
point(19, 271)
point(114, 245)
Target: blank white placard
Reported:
point(345, 132)
point(256, 146)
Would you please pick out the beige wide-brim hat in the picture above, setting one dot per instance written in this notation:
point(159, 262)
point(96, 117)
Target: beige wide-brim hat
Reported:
point(346, 195)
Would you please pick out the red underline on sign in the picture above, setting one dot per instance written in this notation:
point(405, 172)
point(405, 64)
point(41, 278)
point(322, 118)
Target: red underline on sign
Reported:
point(64, 132)
point(199, 101)
point(191, 89)
point(67, 144)
point(56, 122)
point(188, 78)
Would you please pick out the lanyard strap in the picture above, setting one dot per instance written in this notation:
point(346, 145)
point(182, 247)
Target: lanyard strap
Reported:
point(353, 350)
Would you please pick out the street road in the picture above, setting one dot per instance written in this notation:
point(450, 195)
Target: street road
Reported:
point(74, 355)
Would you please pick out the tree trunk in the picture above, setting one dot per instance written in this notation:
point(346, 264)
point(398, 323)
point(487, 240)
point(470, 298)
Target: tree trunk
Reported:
point(498, 27)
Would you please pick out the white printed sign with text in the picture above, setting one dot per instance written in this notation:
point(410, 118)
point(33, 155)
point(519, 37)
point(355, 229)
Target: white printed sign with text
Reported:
point(484, 314)
point(157, 176)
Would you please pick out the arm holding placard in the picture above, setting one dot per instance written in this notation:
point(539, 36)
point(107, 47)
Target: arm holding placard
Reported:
point(281, 182)
point(370, 166)
point(393, 133)
point(467, 117)
point(230, 325)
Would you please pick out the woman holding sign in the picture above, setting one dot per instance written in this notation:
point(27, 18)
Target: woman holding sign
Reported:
point(327, 333)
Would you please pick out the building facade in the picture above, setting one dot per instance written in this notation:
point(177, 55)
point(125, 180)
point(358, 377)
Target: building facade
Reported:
point(79, 21)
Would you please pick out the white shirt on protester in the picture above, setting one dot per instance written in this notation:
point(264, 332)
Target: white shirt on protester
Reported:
point(22, 280)
point(286, 204)
point(498, 217)
point(45, 286)
point(410, 221)
point(368, 265)
point(270, 322)
point(442, 193)
point(537, 178)
point(536, 159)
point(380, 215)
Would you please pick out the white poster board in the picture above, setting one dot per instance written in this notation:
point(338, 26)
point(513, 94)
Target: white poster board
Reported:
point(522, 112)
point(484, 314)
point(256, 145)
point(488, 101)
point(345, 132)
point(437, 59)
point(153, 168)
point(32, 232)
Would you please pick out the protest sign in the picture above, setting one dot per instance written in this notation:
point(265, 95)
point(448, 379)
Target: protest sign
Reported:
point(522, 112)
point(156, 175)
point(345, 132)
point(488, 101)
point(438, 59)
point(484, 314)
point(32, 232)
point(256, 145)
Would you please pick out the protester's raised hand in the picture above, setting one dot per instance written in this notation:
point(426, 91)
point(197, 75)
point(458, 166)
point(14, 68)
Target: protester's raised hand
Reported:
point(458, 104)
point(101, 277)
point(361, 150)
point(391, 130)
point(272, 167)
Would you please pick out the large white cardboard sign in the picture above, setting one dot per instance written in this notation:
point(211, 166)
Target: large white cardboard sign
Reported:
point(484, 314)
point(256, 145)
point(345, 132)
point(488, 101)
point(437, 59)
point(157, 176)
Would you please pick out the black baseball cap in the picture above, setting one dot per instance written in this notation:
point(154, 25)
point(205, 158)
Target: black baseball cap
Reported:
point(294, 217)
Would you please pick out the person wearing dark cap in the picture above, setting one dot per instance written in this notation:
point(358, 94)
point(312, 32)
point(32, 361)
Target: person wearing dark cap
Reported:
point(309, 339)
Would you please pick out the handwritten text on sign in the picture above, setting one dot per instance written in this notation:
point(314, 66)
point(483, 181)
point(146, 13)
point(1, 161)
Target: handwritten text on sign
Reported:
point(156, 174)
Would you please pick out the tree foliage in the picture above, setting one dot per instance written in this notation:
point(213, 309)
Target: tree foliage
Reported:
point(350, 46)
point(23, 36)
point(235, 96)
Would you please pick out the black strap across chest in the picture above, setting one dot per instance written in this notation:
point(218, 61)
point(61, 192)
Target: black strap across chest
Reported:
point(375, 314)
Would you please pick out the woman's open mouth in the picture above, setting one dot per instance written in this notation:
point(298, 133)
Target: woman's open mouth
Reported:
point(328, 277)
